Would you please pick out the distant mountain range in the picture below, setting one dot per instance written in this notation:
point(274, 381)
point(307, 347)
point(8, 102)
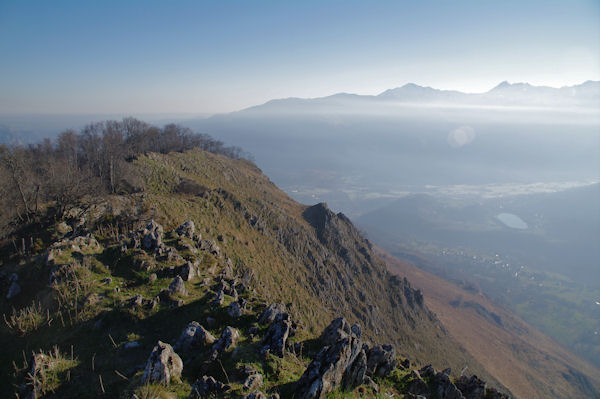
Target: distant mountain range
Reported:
point(584, 96)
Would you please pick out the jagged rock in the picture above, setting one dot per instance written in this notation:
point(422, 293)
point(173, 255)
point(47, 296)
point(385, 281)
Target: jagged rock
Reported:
point(427, 371)
point(444, 388)
point(234, 294)
point(271, 312)
point(228, 269)
point(162, 365)
point(381, 360)
point(493, 393)
point(13, 290)
point(187, 229)
point(189, 247)
point(188, 271)
point(228, 340)
point(246, 279)
point(276, 337)
point(336, 365)
point(475, 388)
point(252, 331)
point(177, 286)
point(152, 278)
point(210, 246)
point(416, 384)
point(219, 298)
point(152, 235)
point(338, 329)
point(356, 373)
point(356, 330)
point(194, 335)
point(253, 381)
point(405, 364)
point(234, 310)
point(471, 388)
point(207, 387)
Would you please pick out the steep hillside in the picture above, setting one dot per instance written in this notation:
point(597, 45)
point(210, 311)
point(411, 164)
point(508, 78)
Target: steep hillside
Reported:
point(101, 286)
point(526, 361)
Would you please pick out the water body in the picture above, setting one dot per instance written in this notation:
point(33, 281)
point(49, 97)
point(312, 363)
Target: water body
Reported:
point(512, 221)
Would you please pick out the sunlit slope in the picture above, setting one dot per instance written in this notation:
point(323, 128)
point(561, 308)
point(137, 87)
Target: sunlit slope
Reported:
point(529, 363)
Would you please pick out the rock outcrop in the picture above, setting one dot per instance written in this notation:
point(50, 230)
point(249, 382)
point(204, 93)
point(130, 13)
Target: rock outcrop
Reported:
point(208, 387)
point(275, 339)
point(271, 312)
point(187, 229)
point(152, 235)
point(475, 388)
point(194, 335)
point(162, 365)
point(381, 360)
point(342, 363)
point(177, 286)
point(228, 340)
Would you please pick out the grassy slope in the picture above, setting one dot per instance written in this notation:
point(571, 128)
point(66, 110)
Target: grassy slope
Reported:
point(290, 263)
point(289, 277)
point(523, 359)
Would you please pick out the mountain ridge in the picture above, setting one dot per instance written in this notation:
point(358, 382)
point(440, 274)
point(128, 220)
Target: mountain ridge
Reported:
point(585, 94)
point(236, 229)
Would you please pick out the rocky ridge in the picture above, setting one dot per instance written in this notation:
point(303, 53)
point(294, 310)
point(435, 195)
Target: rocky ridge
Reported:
point(242, 310)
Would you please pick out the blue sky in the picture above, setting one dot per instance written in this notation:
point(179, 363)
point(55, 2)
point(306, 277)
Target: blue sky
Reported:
point(219, 56)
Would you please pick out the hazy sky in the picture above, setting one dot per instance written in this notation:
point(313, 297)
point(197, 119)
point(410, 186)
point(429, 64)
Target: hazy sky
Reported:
point(219, 56)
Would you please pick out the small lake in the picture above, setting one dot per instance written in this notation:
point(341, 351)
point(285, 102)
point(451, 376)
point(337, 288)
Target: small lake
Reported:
point(512, 221)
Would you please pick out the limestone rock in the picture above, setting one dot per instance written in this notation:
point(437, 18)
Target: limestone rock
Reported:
point(228, 269)
point(194, 335)
point(219, 298)
point(338, 329)
point(471, 388)
point(177, 286)
point(381, 360)
point(416, 385)
point(427, 371)
point(188, 271)
point(207, 387)
point(276, 337)
point(444, 388)
point(234, 310)
point(187, 229)
point(228, 340)
point(253, 381)
point(271, 312)
point(341, 364)
point(152, 235)
point(210, 246)
point(162, 365)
